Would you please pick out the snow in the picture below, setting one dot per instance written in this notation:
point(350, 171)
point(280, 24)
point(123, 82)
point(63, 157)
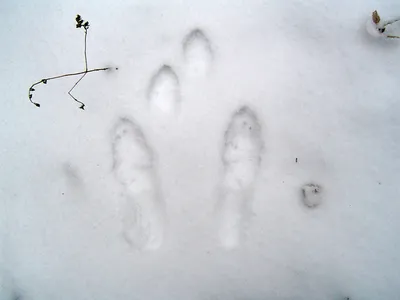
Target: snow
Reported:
point(323, 90)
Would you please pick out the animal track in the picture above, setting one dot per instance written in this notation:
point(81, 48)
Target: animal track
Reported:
point(311, 195)
point(197, 52)
point(241, 157)
point(163, 93)
point(134, 168)
point(133, 161)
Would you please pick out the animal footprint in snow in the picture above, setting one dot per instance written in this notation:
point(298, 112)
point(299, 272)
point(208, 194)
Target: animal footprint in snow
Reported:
point(241, 157)
point(197, 52)
point(164, 92)
point(311, 195)
point(134, 168)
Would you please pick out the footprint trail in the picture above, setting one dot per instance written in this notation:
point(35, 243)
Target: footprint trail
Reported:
point(134, 167)
point(241, 157)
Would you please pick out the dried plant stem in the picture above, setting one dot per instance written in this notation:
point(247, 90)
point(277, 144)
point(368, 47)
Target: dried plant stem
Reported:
point(69, 92)
point(44, 80)
point(86, 63)
point(85, 26)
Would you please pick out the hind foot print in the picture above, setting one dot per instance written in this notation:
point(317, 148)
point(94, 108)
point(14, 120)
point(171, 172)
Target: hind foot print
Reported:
point(197, 52)
point(311, 195)
point(134, 168)
point(163, 93)
point(241, 157)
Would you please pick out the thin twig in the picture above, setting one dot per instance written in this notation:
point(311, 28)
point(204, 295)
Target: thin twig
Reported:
point(74, 74)
point(69, 92)
point(86, 62)
point(86, 68)
point(79, 24)
point(44, 80)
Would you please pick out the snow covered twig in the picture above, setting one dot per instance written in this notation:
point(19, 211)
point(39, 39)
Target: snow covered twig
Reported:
point(377, 27)
point(391, 22)
point(80, 23)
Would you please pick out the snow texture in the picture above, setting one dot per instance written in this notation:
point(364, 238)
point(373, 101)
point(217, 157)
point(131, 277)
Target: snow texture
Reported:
point(186, 175)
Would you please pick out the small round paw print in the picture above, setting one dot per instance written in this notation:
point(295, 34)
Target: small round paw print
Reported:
point(312, 195)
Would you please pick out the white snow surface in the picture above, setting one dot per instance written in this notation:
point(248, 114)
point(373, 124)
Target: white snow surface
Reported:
point(325, 94)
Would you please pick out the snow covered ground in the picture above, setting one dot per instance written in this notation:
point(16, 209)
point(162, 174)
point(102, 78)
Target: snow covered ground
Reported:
point(243, 150)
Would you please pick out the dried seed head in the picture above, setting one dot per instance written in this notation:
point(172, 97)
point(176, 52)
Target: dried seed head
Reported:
point(375, 17)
